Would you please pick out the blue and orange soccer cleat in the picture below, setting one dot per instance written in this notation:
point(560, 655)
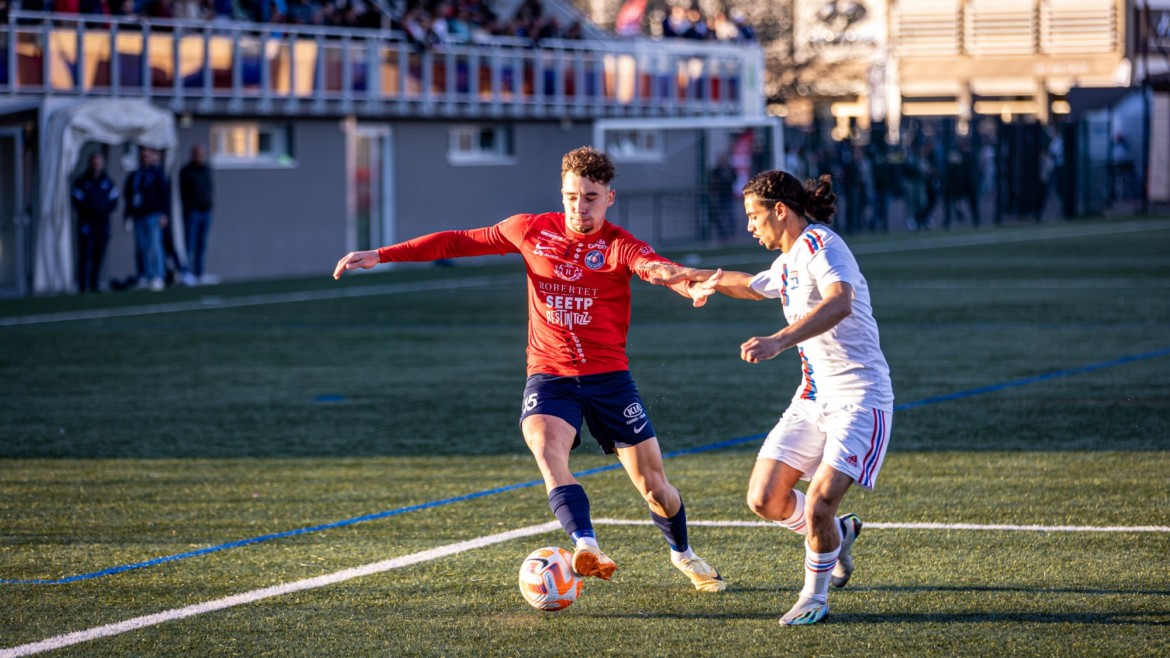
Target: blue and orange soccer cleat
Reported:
point(590, 561)
point(806, 611)
point(850, 529)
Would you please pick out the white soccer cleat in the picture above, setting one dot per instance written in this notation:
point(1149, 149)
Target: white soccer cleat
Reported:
point(590, 561)
point(850, 529)
point(806, 611)
point(703, 576)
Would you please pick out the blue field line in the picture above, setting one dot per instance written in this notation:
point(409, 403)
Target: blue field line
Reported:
point(1024, 381)
point(718, 445)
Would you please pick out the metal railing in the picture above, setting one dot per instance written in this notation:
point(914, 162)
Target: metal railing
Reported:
point(267, 68)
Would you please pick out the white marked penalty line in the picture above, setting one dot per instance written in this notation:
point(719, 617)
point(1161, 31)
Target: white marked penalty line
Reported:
point(108, 630)
point(920, 526)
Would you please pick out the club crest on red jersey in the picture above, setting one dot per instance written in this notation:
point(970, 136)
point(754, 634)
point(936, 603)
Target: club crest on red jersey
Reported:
point(594, 260)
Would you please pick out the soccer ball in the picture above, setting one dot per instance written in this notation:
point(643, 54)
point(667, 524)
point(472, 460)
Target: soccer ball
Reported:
point(547, 579)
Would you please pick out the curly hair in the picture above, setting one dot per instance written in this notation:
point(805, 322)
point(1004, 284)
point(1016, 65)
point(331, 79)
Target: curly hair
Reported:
point(588, 162)
point(812, 199)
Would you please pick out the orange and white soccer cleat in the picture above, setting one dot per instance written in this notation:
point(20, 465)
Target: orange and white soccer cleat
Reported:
point(590, 561)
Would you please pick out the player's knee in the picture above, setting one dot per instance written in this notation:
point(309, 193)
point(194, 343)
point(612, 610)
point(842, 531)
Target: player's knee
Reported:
point(820, 510)
point(757, 505)
point(764, 505)
point(656, 494)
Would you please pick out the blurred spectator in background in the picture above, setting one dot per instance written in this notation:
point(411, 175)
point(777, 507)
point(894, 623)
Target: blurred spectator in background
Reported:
point(148, 196)
point(191, 9)
point(961, 185)
point(223, 10)
point(929, 183)
point(746, 31)
point(95, 196)
point(884, 180)
point(94, 7)
point(858, 179)
point(304, 12)
point(676, 23)
point(723, 28)
point(698, 26)
point(1124, 172)
point(988, 170)
point(1056, 152)
point(1044, 174)
point(720, 186)
point(197, 194)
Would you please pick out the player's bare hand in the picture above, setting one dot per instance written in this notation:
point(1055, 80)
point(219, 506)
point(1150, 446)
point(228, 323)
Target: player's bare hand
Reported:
point(701, 291)
point(664, 274)
point(355, 260)
point(760, 348)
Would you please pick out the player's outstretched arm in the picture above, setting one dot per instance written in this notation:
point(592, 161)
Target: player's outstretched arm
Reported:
point(356, 260)
point(730, 283)
point(701, 290)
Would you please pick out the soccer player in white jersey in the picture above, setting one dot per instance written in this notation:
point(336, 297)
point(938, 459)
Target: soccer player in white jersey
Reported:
point(837, 427)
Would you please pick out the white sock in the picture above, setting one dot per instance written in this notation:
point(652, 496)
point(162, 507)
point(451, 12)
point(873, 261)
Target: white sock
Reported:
point(817, 569)
point(588, 541)
point(677, 557)
point(796, 522)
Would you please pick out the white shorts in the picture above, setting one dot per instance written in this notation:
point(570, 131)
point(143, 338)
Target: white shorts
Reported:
point(849, 437)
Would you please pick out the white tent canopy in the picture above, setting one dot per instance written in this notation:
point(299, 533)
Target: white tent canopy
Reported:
point(112, 121)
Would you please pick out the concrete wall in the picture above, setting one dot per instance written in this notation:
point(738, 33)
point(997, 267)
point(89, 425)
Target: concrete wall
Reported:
point(279, 221)
point(433, 195)
point(291, 221)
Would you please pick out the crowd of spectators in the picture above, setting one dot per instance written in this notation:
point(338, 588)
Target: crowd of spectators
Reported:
point(688, 22)
point(425, 22)
point(341, 13)
point(431, 22)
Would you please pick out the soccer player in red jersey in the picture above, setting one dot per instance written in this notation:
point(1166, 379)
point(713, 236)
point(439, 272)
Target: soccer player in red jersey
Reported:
point(579, 270)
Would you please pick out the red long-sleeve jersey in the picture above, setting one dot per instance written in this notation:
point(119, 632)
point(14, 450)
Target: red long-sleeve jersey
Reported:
point(578, 285)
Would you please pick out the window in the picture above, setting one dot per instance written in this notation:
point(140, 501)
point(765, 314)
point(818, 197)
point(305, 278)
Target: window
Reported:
point(251, 145)
point(481, 145)
point(634, 145)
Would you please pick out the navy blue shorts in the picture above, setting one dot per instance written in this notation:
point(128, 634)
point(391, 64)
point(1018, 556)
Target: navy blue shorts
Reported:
point(608, 402)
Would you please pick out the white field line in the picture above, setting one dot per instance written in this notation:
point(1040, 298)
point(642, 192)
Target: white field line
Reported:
point(217, 302)
point(136, 623)
point(1026, 284)
point(920, 526)
point(936, 241)
point(992, 236)
point(70, 639)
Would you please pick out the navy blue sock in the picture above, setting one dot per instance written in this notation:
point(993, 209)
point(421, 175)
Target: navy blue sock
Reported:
point(571, 507)
point(673, 529)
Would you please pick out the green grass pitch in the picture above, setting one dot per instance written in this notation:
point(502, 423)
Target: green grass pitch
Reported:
point(135, 426)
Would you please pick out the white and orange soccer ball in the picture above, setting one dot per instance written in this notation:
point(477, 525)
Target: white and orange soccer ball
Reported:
point(547, 579)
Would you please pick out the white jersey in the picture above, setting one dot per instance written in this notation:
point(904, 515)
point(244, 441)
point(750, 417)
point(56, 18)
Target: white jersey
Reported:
point(845, 363)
